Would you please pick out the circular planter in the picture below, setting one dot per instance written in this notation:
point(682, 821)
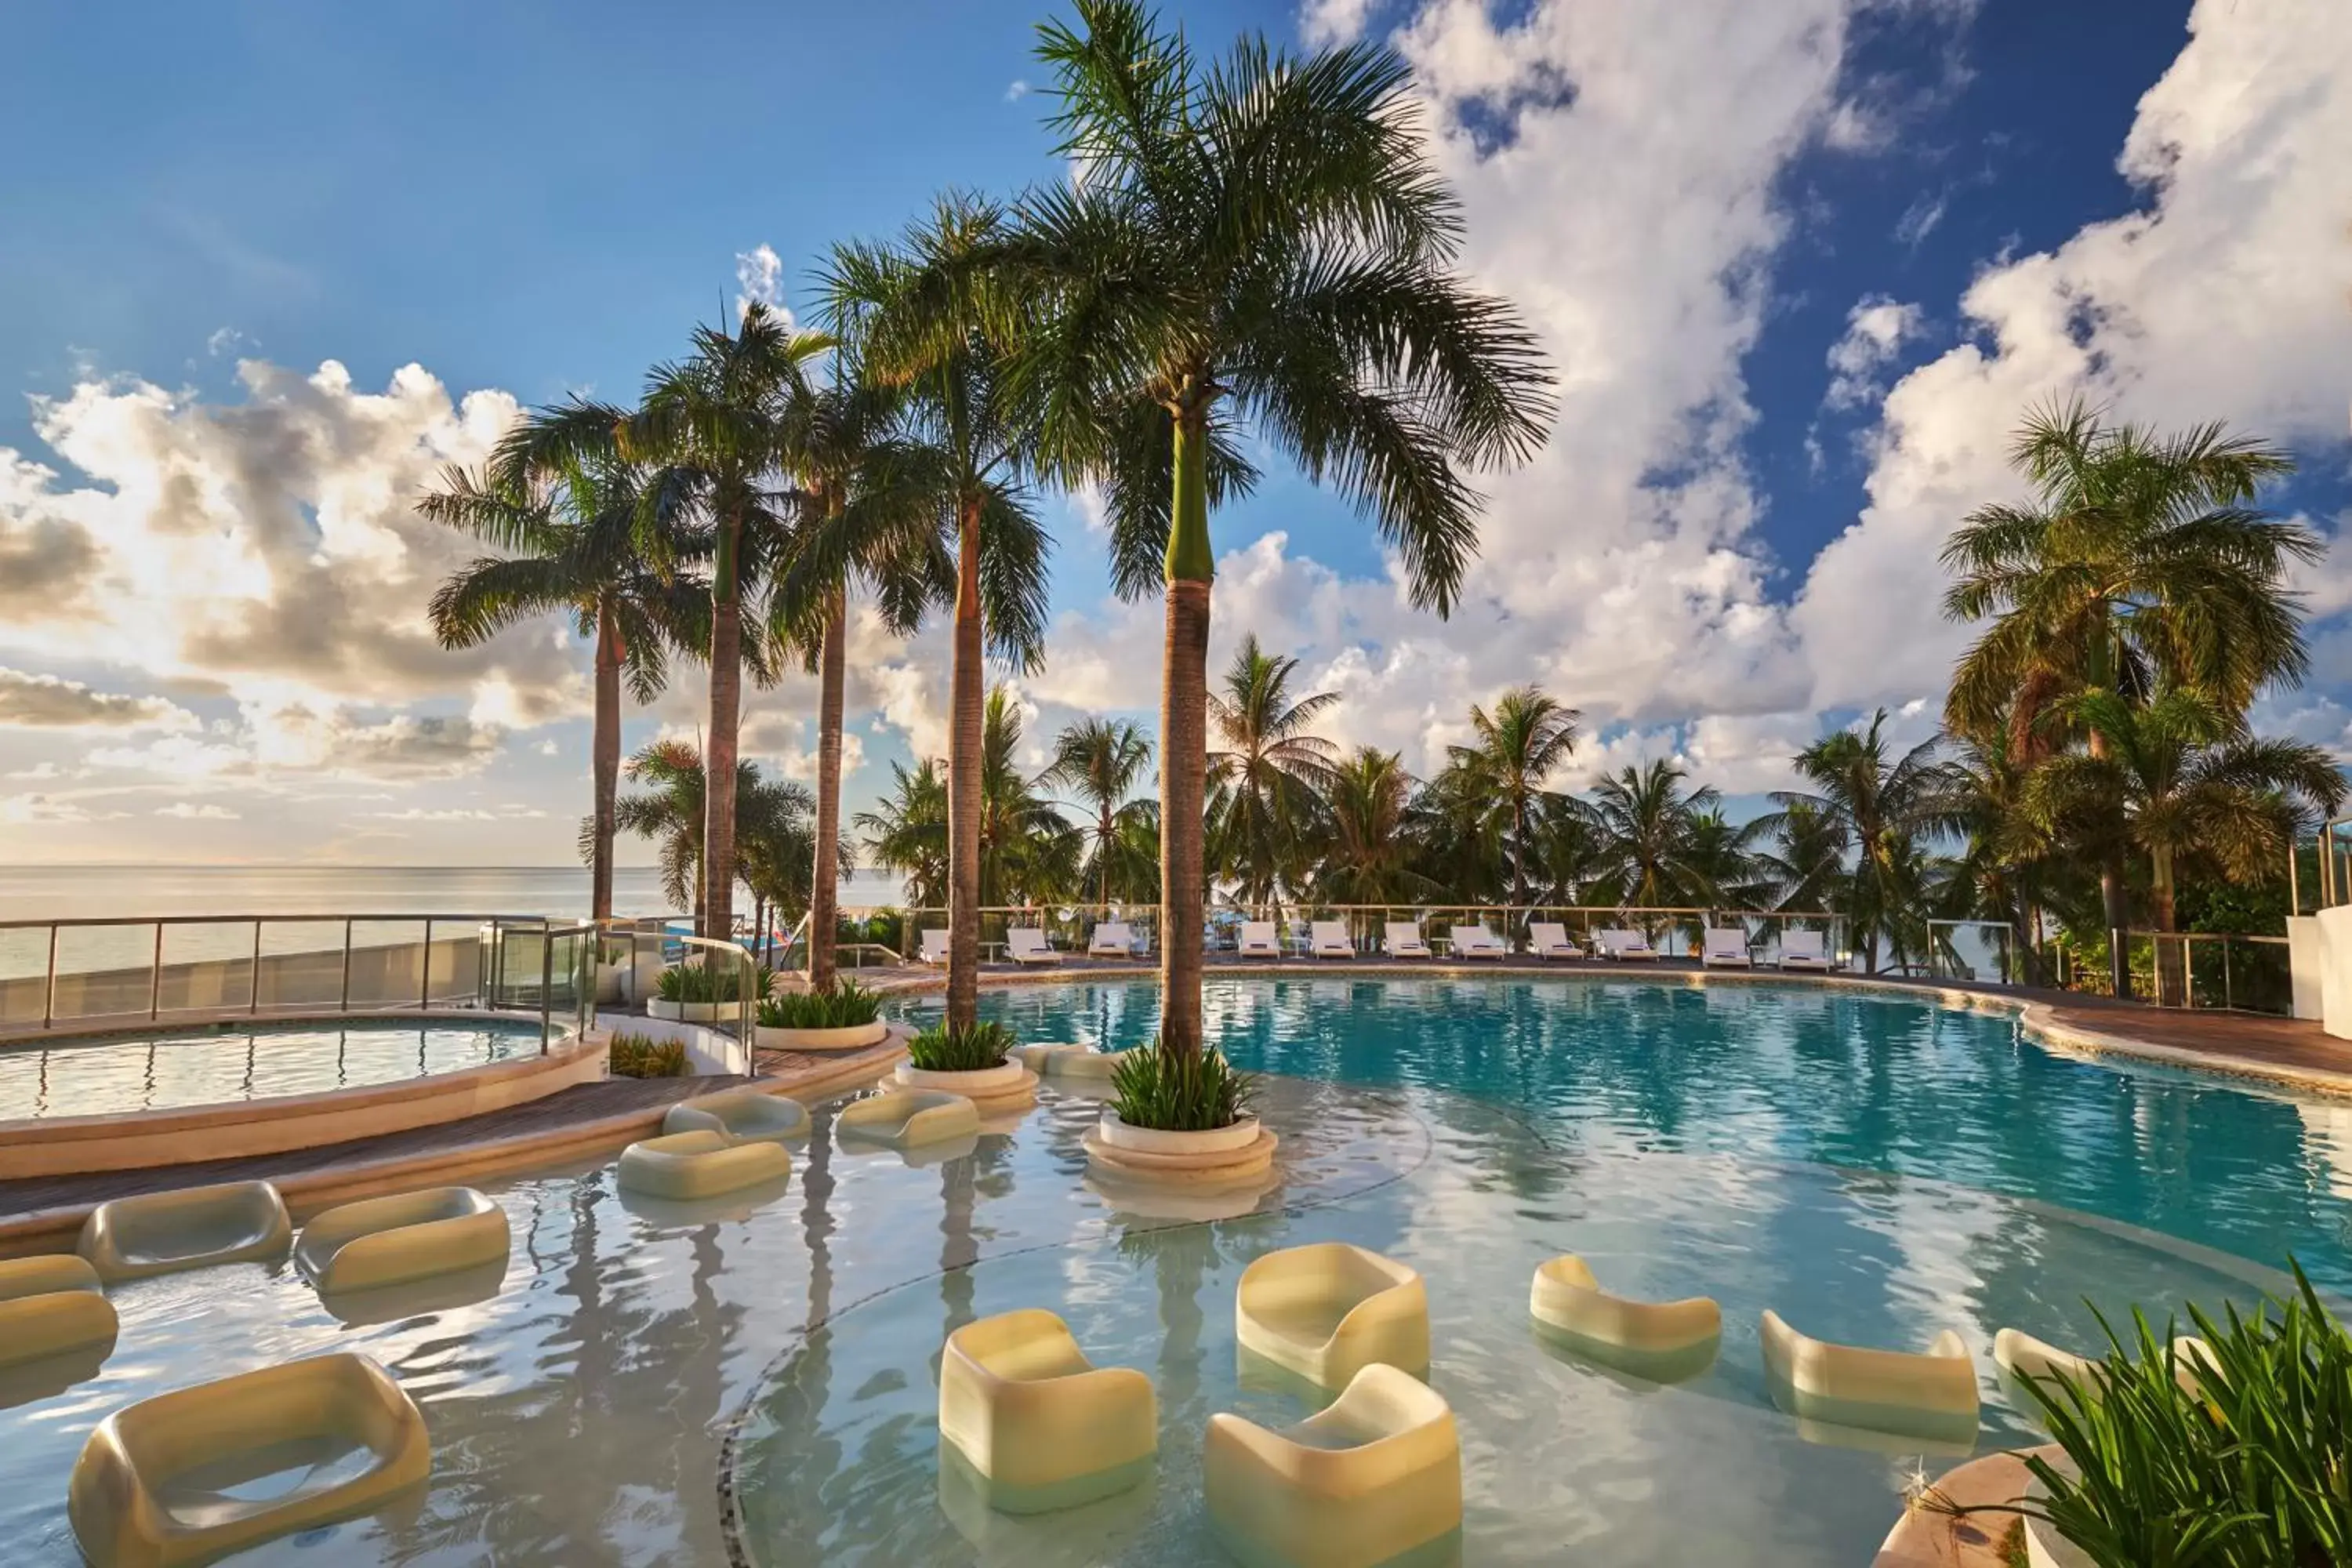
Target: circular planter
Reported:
point(1219, 1156)
point(706, 1012)
point(2044, 1546)
point(852, 1037)
point(1123, 1135)
point(668, 1012)
point(991, 1089)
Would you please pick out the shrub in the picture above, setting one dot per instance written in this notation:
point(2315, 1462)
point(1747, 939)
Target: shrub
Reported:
point(845, 1005)
point(699, 982)
point(641, 1056)
point(1150, 1087)
point(2254, 1470)
point(944, 1048)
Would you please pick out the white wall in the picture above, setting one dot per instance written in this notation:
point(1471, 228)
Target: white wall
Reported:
point(2319, 948)
point(709, 1050)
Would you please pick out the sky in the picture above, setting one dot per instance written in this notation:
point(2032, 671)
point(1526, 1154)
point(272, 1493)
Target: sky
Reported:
point(1801, 266)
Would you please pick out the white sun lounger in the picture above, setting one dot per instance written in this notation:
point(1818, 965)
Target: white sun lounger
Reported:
point(1727, 948)
point(1403, 940)
point(1802, 949)
point(1330, 939)
point(1611, 942)
point(1258, 940)
point(1111, 939)
point(935, 946)
point(1478, 941)
point(1026, 944)
point(1547, 940)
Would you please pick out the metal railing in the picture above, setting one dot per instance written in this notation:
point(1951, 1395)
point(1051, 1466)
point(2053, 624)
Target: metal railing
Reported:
point(2216, 971)
point(101, 970)
point(633, 955)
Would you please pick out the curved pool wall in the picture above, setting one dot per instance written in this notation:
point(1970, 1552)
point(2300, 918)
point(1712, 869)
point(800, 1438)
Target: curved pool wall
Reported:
point(212, 1092)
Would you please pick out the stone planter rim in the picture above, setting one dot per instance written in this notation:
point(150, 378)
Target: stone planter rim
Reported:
point(847, 1037)
point(1119, 1134)
point(988, 1082)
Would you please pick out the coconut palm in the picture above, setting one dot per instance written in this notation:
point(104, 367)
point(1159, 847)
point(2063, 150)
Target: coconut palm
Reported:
point(1651, 852)
point(907, 831)
point(571, 529)
point(1100, 761)
point(1263, 243)
point(2139, 561)
point(1366, 847)
point(962, 498)
point(1269, 770)
point(1028, 852)
point(1890, 809)
point(2003, 866)
point(715, 428)
point(1804, 867)
point(773, 820)
point(1519, 745)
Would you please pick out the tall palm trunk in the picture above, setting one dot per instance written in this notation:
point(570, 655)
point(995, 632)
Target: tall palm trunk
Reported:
point(1184, 738)
point(605, 764)
point(2116, 911)
point(966, 707)
point(717, 912)
point(824, 880)
point(1102, 852)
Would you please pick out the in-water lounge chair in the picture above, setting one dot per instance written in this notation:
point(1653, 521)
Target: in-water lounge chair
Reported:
point(1376, 1477)
point(1258, 940)
point(1611, 943)
point(682, 1167)
point(1327, 1310)
point(904, 1117)
point(159, 1233)
point(51, 1304)
point(1547, 940)
point(1403, 940)
point(1662, 1340)
point(1727, 948)
point(1931, 1397)
point(1111, 939)
point(934, 950)
point(392, 1241)
point(1330, 939)
point(1042, 1427)
point(1802, 949)
point(1478, 941)
point(171, 1480)
point(741, 1116)
point(1068, 1060)
point(1027, 945)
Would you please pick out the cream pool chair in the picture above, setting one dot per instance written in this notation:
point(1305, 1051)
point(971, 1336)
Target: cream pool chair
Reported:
point(1329, 939)
point(1802, 949)
point(1111, 939)
point(1932, 1396)
point(682, 1167)
point(741, 1116)
point(1478, 941)
point(1662, 1340)
point(1726, 948)
point(1258, 940)
point(1070, 1061)
point(49, 1305)
point(1027, 945)
point(392, 1241)
point(1042, 1426)
point(1402, 940)
point(235, 1222)
point(1620, 945)
point(1327, 1310)
point(159, 1483)
point(1373, 1478)
point(906, 1118)
point(1548, 938)
point(934, 948)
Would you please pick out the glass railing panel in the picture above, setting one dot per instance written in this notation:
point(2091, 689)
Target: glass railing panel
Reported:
point(104, 971)
point(301, 966)
point(387, 966)
point(24, 976)
point(207, 967)
point(454, 963)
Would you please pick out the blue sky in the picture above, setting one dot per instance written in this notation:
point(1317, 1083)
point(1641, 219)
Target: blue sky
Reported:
point(1801, 262)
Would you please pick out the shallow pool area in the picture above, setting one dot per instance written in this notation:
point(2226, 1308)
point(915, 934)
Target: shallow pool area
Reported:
point(753, 1380)
point(171, 1069)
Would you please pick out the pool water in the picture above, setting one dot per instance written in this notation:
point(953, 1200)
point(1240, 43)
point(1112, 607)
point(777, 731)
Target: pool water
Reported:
point(170, 1069)
point(753, 1381)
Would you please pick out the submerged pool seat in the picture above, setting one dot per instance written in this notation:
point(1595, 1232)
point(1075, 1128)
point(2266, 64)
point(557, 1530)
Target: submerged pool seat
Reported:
point(1662, 1340)
point(1931, 1395)
point(380, 1242)
point(52, 1305)
point(1327, 1310)
point(159, 1483)
point(1375, 1478)
point(1040, 1426)
point(1071, 1062)
point(741, 1116)
point(909, 1118)
point(684, 1166)
point(235, 1222)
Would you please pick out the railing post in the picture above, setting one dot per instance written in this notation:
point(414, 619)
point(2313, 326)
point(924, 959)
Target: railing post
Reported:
point(546, 985)
point(49, 982)
point(424, 971)
point(2228, 999)
point(255, 987)
point(344, 1004)
point(155, 977)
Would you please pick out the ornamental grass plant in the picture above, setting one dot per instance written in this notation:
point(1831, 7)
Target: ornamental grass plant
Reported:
point(843, 1006)
point(945, 1047)
point(641, 1056)
point(1169, 1092)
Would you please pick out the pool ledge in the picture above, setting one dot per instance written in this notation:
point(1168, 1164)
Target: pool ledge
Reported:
point(1926, 1538)
point(140, 1139)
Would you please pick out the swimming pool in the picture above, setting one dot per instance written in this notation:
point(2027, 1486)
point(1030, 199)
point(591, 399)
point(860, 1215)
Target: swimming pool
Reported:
point(167, 1070)
point(755, 1383)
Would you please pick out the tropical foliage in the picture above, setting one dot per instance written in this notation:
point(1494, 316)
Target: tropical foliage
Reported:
point(951, 1047)
point(1178, 1091)
point(842, 1004)
point(642, 1055)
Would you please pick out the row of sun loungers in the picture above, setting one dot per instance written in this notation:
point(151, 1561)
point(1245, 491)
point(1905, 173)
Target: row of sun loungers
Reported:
point(1724, 947)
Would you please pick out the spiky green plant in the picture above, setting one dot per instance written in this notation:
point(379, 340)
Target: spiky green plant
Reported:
point(641, 1056)
point(843, 1006)
point(1172, 1091)
point(960, 1047)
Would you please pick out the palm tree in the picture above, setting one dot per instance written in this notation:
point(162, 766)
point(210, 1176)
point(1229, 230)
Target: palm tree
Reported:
point(717, 428)
point(1099, 760)
point(1367, 846)
point(1888, 810)
point(962, 499)
point(2000, 872)
point(1518, 746)
point(772, 819)
point(907, 831)
point(1028, 852)
point(2140, 560)
point(1263, 242)
point(571, 529)
point(1270, 770)
point(1651, 853)
point(2188, 785)
point(672, 814)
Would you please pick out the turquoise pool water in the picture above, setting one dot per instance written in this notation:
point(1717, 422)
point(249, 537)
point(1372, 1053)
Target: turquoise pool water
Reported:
point(753, 1380)
point(168, 1069)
